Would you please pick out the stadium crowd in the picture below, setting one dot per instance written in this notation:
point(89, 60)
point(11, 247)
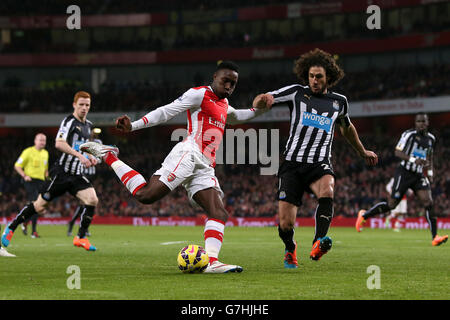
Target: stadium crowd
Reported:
point(226, 32)
point(39, 41)
point(247, 193)
point(55, 96)
point(26, 7)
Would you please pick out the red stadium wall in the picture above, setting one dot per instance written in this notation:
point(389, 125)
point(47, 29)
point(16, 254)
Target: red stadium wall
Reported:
point(375, 223)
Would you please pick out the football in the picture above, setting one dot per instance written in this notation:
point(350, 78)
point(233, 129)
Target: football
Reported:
point(192, 259)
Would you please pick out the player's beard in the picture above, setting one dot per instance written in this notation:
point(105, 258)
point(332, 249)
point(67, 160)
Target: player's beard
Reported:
point(422, 131)
point(320, 90)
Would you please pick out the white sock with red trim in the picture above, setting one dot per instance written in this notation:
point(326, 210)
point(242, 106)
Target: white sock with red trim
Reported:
point(131, 179)
point(213, 233)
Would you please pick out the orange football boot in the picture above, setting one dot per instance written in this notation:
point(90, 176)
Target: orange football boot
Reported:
point(290, 258)
point(360, 220)
point(438, 240)
point(83, 242)
point(320, 247)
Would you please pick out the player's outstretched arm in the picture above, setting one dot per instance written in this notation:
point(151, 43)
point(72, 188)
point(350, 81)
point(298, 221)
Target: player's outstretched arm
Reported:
point(351, 135)
point(263, 101)
point(191, 99)
point(261, 104)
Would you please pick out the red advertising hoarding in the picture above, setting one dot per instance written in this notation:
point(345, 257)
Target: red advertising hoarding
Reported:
point(338, 221)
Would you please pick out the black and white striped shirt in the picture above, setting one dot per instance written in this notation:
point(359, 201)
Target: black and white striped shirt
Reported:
point(74, 133)
point(312, 123)
point(415, 145)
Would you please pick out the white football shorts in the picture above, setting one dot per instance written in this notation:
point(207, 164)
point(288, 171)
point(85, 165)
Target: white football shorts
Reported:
point(187, 166)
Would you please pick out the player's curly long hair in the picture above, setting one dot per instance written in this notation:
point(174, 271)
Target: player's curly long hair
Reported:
point(317, 57)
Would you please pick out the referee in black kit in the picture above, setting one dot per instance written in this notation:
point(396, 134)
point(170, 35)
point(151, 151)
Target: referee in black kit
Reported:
point(67, 174)
point(315, 110)
point(415, 149)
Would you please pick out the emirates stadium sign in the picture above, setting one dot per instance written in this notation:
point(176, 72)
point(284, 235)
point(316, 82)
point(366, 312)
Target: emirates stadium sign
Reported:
point(338, 221)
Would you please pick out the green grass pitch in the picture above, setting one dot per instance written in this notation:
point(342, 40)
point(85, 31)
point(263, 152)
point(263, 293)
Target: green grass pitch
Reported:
point(140, 263)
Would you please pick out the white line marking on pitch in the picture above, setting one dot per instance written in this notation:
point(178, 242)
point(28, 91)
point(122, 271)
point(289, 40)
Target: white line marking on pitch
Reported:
point(172, 242)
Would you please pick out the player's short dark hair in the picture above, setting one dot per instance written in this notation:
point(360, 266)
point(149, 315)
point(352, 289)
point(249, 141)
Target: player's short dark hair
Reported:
point(320, 58)
point(227, 65)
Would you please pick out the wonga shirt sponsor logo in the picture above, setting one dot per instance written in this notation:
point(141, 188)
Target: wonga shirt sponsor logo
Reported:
point(420, 153)
point(316, 121)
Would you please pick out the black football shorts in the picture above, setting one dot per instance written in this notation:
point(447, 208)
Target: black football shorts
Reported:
point(32, 188)
point(294, 178)
point(404, 180)
point(61, 183)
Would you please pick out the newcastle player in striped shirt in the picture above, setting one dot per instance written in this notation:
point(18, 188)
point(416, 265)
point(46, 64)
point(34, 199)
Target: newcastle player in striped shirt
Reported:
point(90, 175)
point(415, 149)
point(67, 173)
point(315, 110)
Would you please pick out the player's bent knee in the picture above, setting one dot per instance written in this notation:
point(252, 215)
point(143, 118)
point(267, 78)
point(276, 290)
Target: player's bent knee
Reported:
point(427, 203)
point(223, 214)
point(152, 192)
point(286, 225)
point(392, 203)
point(140, 196)
point(218, 213)
point(39, 209)
point(88, 197)
point(145, 197)
point(327, 193)
point(91, 202)
point(40, 205)
point(287, 214)
point(286, 222)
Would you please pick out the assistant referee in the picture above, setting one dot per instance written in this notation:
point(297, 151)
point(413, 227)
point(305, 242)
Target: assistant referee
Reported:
point(32, 166)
